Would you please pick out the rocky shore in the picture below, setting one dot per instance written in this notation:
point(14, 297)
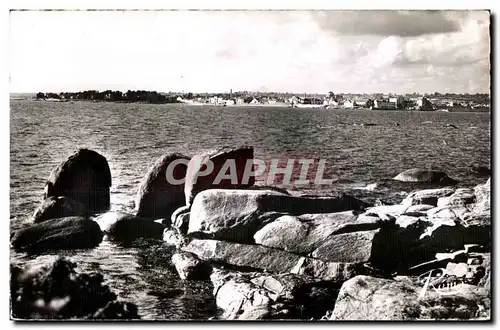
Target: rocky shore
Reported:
point(270, 255)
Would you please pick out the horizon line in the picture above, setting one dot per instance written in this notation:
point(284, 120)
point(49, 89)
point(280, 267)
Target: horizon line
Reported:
point(249, 91)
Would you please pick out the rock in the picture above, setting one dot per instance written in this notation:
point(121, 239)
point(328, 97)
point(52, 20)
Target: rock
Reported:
point(405, 221)
point(128, 228)
point(483, 197)
point(485, 281)
point(180, 219)
point(418, 208)
point(173, 237)
point(227, 159)
point(61, 233)
point(235, 293)
point(236, 215)
point(243, 255)
point(439, 235)
point(58, 207)
point(158, 197)
point(189, 267)
point(369, 298)
point(426, 196)
point(457, 269)
point(257, 313)
point(334, 272)
point(57, 291)
point(253, 296)
point(255, 257)
point(84, 177)
point(481, 170)
point(445, 213)
point(425, 176)
point(386, 212)
point(304, 233)
point(351, 247)
point(460, 197)
point(382, 248)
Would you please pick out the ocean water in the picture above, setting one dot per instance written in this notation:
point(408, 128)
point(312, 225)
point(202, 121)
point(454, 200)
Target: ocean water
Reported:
point(361, 160)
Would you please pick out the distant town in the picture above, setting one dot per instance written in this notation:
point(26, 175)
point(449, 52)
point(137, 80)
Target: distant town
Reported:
point(379, 101)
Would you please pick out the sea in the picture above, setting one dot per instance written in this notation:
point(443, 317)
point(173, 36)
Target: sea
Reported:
point(363, 149)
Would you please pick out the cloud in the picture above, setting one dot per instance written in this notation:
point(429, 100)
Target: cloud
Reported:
point(390, 23)
point(215, 51)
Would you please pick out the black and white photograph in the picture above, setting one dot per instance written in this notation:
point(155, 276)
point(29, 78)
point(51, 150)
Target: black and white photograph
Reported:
point(250, 165)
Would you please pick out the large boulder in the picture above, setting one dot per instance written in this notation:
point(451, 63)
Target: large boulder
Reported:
point(58, 207)
point(365, 298)
point(236, 215)
point(128, 228)
point(62, 233)
point(159, 196)
point(84, 177)
point(349, 247)
point(255, 296)
point(231, 160)
point(425, 176)
point(304, 233)
point(255, 257)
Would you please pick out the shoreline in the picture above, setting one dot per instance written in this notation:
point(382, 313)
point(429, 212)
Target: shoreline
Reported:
point(280, 105)
point(270, 254)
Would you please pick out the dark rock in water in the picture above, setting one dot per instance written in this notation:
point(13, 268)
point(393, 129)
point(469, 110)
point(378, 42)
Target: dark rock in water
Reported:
point(84, 177)
point(189, 267)
point(368, 298)
point(62, 233)
point(481, 171)
point(56, 291)
point(236, 215)
point(128, 228)
point(425, 176)
point(158, 197)
point(227, 159)
point(58, 207)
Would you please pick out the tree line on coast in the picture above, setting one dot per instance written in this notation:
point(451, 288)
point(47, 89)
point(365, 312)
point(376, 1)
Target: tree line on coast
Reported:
point(112, 96)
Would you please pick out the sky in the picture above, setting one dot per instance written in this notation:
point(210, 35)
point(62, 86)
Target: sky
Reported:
point(283, 51)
